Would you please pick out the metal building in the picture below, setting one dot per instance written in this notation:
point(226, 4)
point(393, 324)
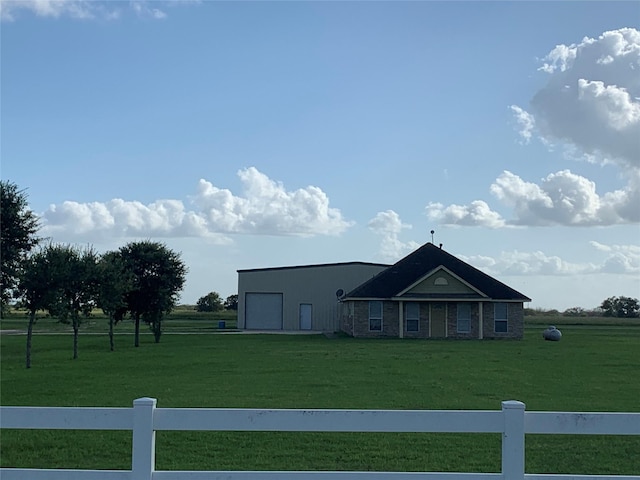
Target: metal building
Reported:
point(299, 297)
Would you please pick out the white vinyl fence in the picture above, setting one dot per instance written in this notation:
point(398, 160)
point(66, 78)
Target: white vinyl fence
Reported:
point(144, 419)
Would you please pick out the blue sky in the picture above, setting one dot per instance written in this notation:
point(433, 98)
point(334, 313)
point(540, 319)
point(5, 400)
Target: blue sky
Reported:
point(259, 134)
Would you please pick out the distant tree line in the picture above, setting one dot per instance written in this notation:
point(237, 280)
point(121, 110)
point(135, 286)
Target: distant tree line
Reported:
point(618, 307)
point(622, 307)
point(141, 280)
point(212, 302)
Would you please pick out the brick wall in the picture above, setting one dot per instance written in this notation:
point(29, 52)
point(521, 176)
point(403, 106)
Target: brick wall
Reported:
point(359, 324)
point(515, 324)
point(346, 319)
point(355, 320)
point(423, 324)
point(452, 321)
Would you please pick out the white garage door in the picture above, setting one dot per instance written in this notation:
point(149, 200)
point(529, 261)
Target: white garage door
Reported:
point(263, 311)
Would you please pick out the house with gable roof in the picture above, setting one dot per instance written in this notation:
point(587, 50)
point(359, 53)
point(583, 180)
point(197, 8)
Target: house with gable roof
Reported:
point(432, 294)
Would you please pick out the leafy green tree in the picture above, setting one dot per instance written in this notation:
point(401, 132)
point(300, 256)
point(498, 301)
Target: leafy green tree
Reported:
point(115, 282)
point(154, 319)
point(18, 228)
point(75, 285)
point(231, 303)
point(35, 289)
point(158, 275)
point(623, 307)
point(211, 302)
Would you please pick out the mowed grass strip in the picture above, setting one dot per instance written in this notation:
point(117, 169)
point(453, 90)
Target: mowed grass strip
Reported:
point(589, 370)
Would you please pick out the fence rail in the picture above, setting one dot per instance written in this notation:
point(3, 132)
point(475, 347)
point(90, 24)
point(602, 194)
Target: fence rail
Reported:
point(145, 419)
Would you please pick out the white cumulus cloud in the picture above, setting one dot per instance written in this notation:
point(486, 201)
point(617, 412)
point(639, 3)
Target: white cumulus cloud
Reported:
point(388, 226)
point(78, 9)
point(265, 207)
point(591, 107)
point(268, 208)
point(142, 9)
point(592, 99)
point(561, 198)
point(619, 259)
point(477, 213)
point(10, 10)
point(615, 259)
point(528, 263)
point(120, 218)
point(526, 122)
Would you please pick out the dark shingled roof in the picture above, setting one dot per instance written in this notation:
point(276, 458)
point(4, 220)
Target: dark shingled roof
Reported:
point(390, 282)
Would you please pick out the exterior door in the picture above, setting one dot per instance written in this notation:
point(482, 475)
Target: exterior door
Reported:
point(305, 316)
point(438, 320)
point(263, 311)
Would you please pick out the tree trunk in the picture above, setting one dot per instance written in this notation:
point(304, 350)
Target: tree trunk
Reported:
point(76, 325)
point(136, 340)
point(157, 327)
point(32, 320)
point(111, 346)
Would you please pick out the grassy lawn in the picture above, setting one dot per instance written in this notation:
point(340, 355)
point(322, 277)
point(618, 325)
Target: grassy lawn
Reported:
point(591, 369)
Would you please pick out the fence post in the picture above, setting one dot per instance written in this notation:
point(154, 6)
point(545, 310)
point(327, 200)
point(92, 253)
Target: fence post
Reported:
point(513, 440)
point(143, 454)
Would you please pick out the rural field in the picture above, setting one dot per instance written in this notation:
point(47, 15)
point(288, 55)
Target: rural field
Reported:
point(594, 368)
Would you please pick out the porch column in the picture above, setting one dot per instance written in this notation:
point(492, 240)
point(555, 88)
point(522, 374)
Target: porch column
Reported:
point(401, 319)
point(480, 321)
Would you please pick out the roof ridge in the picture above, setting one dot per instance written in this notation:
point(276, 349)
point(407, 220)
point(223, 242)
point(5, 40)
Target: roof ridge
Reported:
point(424, 259)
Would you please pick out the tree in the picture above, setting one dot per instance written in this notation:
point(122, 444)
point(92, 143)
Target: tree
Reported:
point(75, 285)
point(115, 282)
point(18, 228)
point(35, 289)
point(158, 275)
point(231, 303)
point(623, 307)
point(211, 302)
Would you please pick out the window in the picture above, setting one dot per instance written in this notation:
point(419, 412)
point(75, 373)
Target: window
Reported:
point(501, 323)
point(440, 281)
point(464, 317)
point(412, 316)
point(375, 316)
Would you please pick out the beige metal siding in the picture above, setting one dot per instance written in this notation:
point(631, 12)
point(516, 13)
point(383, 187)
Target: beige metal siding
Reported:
point(313, 284)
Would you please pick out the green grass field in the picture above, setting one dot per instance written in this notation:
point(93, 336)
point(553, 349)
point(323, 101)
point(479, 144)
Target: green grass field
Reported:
point(180, 320)
point(593, 368)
